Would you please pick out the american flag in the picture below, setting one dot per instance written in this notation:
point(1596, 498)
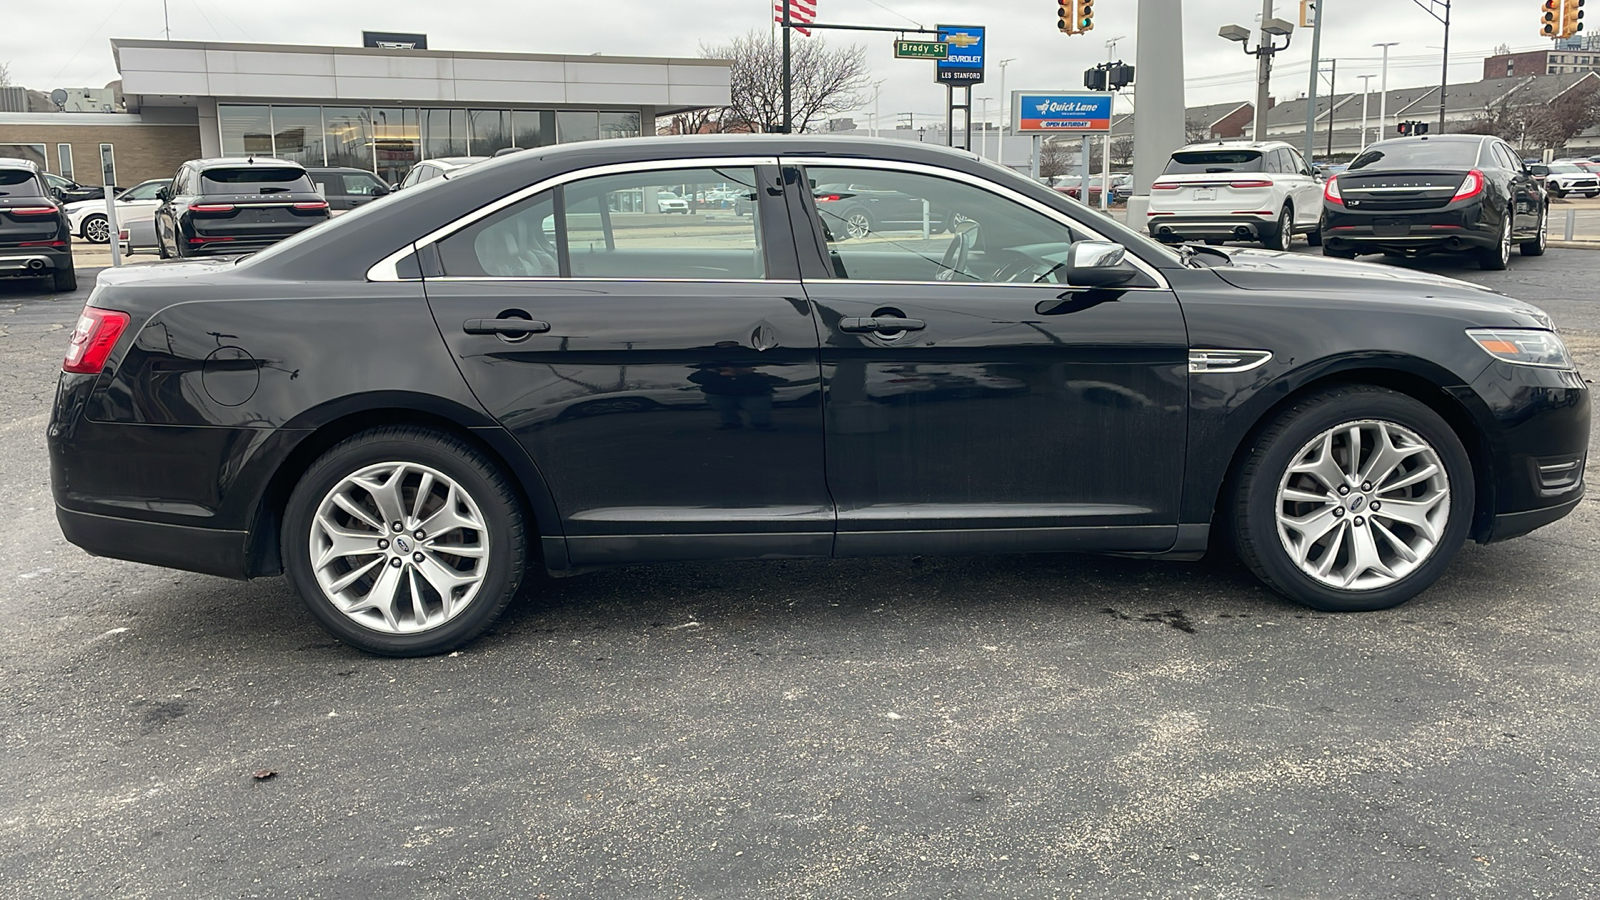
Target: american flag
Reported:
point(801, 12)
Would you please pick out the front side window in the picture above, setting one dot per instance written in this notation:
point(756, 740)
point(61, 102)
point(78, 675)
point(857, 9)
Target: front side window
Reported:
point(638, 225)
point(363, 185)
point(882, 225)
point(146, 191)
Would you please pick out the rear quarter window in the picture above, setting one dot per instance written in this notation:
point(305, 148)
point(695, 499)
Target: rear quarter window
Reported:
point(19, 183)
point(254, 180)
point(1200, 161)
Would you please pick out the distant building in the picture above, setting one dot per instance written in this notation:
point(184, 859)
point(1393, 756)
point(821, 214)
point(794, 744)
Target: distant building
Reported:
point(1560, 61)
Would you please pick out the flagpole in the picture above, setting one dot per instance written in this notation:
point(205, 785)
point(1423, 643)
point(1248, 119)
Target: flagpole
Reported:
point(788, 111)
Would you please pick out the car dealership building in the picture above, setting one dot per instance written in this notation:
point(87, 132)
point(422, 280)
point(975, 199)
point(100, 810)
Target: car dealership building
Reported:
point(376, 108)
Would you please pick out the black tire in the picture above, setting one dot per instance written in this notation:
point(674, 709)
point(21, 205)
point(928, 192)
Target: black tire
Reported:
point(1338, 254)
point(161, 245)
point(1214, 242)
point(1536, 247)
point(1496, 258)
point(95, 225)
point(66, 279)
point(480, 480)
point(1314, 238)
point(1253, 506)
point(1557, 193)
point(1280, 236)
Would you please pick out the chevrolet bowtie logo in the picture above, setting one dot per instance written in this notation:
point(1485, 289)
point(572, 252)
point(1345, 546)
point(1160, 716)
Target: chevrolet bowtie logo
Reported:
point(962, 40)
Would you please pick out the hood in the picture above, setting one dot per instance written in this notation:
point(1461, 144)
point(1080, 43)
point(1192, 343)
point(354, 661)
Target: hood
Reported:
point(1294, 274)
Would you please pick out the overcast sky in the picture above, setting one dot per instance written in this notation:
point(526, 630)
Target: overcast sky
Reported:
point(64, 43)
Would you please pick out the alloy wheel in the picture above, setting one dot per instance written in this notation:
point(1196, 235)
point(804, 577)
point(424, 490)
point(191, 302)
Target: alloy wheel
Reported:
point(1505, 242)
point(96, 230)
point(1363, 504)
point(858, 225)
point(399, 547)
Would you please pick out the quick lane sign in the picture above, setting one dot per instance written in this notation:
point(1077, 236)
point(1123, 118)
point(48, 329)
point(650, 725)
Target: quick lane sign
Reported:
point(964, 63)
point(1061, 113)
point(921, 50)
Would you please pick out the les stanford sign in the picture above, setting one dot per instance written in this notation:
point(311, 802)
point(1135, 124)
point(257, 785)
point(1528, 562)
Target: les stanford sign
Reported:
point(964, 64)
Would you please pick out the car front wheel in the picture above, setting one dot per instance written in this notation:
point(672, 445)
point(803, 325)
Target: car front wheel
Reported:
point(404, 541)
point(1354, 499)
point(96, 230)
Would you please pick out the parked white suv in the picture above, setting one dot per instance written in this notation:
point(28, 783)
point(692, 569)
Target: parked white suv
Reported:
point(1237, 191)
point(1570, 178)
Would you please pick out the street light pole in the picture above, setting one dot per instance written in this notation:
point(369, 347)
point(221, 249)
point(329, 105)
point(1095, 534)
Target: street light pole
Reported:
point(1311, 93)
point(1383, 90)
point(1005, 112)
point(1365, 80)
point(1263, 74)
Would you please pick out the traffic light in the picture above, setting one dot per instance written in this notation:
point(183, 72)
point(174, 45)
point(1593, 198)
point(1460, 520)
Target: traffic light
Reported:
point(1550, 19)
point(1094, 79)
point(1066, 16)
point(1571, 17)
point(1086, 14)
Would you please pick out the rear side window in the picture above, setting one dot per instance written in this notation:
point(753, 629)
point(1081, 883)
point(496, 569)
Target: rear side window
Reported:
point(1422, 154)
point(19, 183)
point(1198, 161)
point(254, 180)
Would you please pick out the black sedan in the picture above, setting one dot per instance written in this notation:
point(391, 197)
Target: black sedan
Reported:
point(1459, 193)
point(406, 409)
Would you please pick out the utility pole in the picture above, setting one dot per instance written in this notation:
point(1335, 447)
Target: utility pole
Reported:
point(1333, 99)
point(1383, 90)
point(1311, 93)
point(1431, 7)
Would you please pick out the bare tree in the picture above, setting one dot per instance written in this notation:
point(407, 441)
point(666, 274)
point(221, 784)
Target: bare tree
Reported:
point(1565, 117)
point(1196, 131)
point(697, 121)
point(5, 74)
point(1122, 151)
point(826, 81)
point(1055, 160)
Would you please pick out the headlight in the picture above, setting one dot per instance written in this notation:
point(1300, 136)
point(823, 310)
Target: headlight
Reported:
point(1523, 346)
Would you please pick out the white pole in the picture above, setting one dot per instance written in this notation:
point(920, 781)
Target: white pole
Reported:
point(1365, 81)
point(877, 89)
point(1005, 113)
point(1383, 91)
point(984, 101)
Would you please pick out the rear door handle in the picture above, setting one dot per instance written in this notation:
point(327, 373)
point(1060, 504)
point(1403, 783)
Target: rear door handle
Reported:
point(509, 327)
point(881, 323)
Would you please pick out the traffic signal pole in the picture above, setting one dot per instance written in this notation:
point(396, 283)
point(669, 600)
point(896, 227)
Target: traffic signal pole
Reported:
point(1311, 93)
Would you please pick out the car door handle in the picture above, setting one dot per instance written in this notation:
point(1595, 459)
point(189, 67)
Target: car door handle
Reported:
point(881, 323)
point(512, 327)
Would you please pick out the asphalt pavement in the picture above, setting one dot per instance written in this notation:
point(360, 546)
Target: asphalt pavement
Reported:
point(1019, 726)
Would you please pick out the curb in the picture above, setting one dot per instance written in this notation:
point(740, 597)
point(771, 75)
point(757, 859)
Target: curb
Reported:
point(1574, 245)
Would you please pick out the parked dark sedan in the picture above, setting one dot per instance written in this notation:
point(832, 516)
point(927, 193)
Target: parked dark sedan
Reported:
point(405, 409)
point(231, 206)
point(1446, 193)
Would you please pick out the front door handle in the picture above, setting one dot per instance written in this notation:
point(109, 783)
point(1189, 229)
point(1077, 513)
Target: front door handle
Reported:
point(508, 327)
point(889, 324)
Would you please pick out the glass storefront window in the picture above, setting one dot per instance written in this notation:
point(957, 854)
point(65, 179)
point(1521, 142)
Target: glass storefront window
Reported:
point(348, 136)
point(246, 130)
point(396, 141)
point(444, 133)
point(297, 134)
point(619, 124)
point(572, 125)
point(534, 128)
point(491, 130)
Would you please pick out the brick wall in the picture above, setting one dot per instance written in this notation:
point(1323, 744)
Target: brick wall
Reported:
point(1516, 65)
point(142, 151)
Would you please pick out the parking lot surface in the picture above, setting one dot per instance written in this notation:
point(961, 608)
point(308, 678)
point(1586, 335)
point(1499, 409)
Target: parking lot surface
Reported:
point(1020, 726)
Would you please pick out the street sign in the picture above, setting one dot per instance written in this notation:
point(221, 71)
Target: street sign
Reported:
point(964, 62)
point(1036, 112)
point(921, 50)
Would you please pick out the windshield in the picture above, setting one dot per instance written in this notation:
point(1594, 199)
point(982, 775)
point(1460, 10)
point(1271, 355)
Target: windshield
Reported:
point(1418, 154)
point(255, 180)
point(18, 183)
point(1565, 169)
point(1188, 162)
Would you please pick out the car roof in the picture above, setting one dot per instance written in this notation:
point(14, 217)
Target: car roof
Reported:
point(340, 169)
point(241, 161)
point(1438, 138)
point(11, 162)
point(1233, 145)
point(456, 161)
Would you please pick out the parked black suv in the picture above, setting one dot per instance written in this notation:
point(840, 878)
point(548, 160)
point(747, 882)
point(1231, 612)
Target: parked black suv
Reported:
point(1447, 193)
point(35, 239)
point(345, 189)
point(235, 206)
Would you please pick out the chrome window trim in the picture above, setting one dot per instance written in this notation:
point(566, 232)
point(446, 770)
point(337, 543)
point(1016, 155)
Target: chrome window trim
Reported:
point(557, 279)
point(517, 196)
point(836, 162)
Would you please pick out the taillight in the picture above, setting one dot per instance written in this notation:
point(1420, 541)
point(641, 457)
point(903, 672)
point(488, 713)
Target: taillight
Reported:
point(1158, 186)
point(1471, 186)
point(31, 210)
point(1257, 183)
point(1330, 191)
point(312, 204)
point(211, 207)
point(92, 340)
point(828, 198)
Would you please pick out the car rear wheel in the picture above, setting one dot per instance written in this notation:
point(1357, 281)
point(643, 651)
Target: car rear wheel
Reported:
point(1338, 254)
point(66, 279)
point(858, 224)
point(404, 541)
point(1354, 499)
point(1498, 257)
point(1281, 235)
point(96, 230)
point(1537, 246)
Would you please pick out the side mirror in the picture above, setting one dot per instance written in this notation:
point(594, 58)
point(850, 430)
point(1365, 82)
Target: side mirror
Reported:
point(381, 190)
point(59, 194)
point(1539, 170)
point(163, 193)
point(1097, 264)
